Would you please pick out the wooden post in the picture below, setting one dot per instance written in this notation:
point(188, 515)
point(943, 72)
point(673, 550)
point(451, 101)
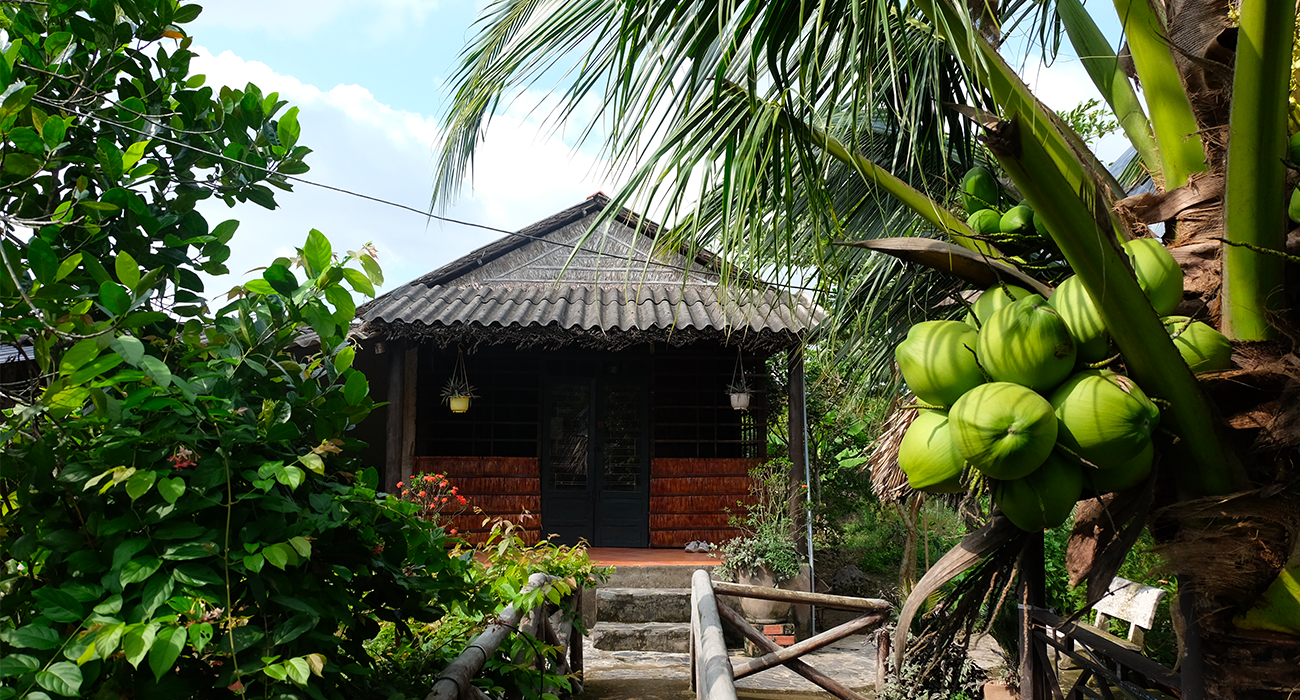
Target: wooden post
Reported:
point(882, 660)
point(411, 374)
point(396, 421)
point(1192, 665)
point(813, 643)
point(798, 442)
point(575, 644)
point(760, 640)
point(715, 681)
point(1033, 594)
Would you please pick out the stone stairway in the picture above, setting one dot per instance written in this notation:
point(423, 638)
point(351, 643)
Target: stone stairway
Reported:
point(644, 608)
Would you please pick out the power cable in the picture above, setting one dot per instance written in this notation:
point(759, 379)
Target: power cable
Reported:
point(379, 200)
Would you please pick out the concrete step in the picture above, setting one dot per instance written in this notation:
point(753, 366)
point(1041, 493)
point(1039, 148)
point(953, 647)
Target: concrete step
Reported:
point(642, 636)
point(658, 575)
point(643, 605)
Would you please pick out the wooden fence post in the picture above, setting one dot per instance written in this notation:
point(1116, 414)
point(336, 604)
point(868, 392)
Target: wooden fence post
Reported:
point(715, 681)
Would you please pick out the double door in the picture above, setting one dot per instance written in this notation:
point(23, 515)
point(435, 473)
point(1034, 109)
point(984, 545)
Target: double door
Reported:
point(595, 459)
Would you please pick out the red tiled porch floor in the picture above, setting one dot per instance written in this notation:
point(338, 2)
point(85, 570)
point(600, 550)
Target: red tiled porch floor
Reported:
point(627, 556)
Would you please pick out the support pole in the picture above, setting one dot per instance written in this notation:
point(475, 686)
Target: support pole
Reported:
point(713, 676)
point(800, 667)
point(1033, 678)
point(396, 421)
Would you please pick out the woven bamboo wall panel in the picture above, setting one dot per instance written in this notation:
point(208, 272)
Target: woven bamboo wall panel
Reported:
point(474, 486)
point(689, 521)
point(692, 504)
point(699, 485)
point(662, 467)
point(679, 538)
point(480, 466)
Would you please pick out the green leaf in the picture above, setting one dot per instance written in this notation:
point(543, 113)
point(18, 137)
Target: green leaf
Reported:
point(138, 570)
point(54, 131)
point(225, 230)
point(157, 370)
point(78, 355)
point(254, 562)
point(108, 638)
point(55, 44)
point(110, 159)
point(114, 298)
point(281, 279)
point(302, 545)
point(200, 635)
point(189, 550)
point(127, 550)
point(98, 366)
point(137, 642)
point(63, 678)
point(343, 360)
point(21, 165)
point(133, 154)
point(128, 270)
point(67, 266)
point(317, 253)
point(111, 606)
point(41, 258)
point(130, 348)
point(140, 483)
point(277, 555)
point(291, 476)
point(298, 670)
point(156, 592)
point(259, 287)
point(287, 129)
point(313, 462)
point(344, 308)
point(293, 628)
point(359, 281)
point(373, 272)
point(186, 14)
point(356, 388)
point(34, 636)
point(166, 649)
point(28, 140)
point(59, 605)
point(276, 671)
point(17, 664)
point(171, 489)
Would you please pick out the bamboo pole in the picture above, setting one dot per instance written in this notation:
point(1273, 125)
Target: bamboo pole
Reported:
point(714, 667)
point(825, 600)
point(813, 643)
point(824, 681)
point(456, 677)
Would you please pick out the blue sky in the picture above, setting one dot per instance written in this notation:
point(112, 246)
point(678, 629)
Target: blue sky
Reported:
point(370, 81)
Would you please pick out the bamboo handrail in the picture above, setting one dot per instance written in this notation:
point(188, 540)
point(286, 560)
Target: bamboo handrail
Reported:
point(827, 683)
point(775, 658)
point(713, 676)
point(822, 600)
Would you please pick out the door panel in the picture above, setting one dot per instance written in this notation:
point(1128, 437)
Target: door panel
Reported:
point(596, 466)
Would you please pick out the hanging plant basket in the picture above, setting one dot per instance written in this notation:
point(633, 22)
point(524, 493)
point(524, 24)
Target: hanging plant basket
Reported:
point(457, 392)
point(740, 400)
point(739, 388)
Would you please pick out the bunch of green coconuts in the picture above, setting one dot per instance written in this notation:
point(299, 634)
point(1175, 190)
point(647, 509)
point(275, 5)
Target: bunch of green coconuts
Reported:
point(1010, 391)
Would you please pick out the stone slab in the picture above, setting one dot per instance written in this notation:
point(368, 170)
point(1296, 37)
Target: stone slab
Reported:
point(643, 605)
point(642, 636)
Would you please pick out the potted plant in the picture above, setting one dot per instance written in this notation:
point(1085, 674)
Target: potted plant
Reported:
point(765, 554)
point(739, 391)
point(456, 393)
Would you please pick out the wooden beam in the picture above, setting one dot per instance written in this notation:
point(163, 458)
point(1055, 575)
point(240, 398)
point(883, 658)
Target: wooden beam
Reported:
point(411, 374)
point(714, 673)
point(825, 600)
point(396, 421)
point(814, 643)
point(822, 680)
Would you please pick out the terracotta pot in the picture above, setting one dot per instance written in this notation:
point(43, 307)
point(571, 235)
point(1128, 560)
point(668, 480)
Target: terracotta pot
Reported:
point(763, 612)
point(740, 401)
point(459, 404)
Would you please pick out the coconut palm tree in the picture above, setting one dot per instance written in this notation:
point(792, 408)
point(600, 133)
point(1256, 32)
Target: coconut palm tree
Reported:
point(755, 127)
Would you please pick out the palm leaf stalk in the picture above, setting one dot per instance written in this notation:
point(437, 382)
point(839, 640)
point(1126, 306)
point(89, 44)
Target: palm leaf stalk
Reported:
point(1081, 228)
point(1172, 119)
point(1255, 187)
point(1108, 76)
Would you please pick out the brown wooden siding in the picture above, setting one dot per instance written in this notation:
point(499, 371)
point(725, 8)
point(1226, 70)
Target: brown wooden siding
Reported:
point(499, 487)
point(689, 499)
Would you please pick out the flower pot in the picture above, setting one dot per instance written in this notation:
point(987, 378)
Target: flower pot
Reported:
point(459, 404)
point(762, 612)
point(740, 401)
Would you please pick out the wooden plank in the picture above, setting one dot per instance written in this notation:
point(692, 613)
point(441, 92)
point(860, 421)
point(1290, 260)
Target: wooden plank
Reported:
point(693, 485)
point(714, 666)
point(689, 521)
point(478, 466)
point(691, 504)
point(823, 600)
point(693, 466)
point(678, 538)
point(814, 643)
point(1109, 648)
point(827, 683)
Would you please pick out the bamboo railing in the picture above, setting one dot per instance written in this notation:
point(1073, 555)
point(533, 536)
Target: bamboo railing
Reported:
point(713, 675)
point(555, 630)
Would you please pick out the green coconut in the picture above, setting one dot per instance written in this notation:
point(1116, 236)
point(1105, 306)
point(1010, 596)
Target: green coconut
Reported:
point(1028, 343)
point(1040, 226)
point(1043, 499)
point(937, 361)
point(991, 300)
point(1294, 148)
point(927, 455)
point(979, 189)
point(1004, 430)
point(985, 222)
point(1124, 476)
point(1293, 206)
point(1278, 609)
point(1203, 348)
point(1104, 417)
point(1018, 219)
point(1157, 272)
point(1073, 302)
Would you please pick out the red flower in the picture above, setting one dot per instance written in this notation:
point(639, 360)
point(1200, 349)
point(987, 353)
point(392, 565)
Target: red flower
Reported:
point(453, 531)
point(422, 494)
point(428, 478)
point(399, 484)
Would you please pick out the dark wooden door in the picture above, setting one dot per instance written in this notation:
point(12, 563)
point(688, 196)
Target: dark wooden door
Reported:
point(595, 460)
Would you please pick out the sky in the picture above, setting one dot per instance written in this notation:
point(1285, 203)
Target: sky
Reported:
point(370, 80)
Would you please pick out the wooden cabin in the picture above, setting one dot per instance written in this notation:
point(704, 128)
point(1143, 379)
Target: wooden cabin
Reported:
point(600, 366)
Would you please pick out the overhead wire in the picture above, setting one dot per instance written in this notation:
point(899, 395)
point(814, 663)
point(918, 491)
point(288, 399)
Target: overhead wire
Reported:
point(360, 195)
